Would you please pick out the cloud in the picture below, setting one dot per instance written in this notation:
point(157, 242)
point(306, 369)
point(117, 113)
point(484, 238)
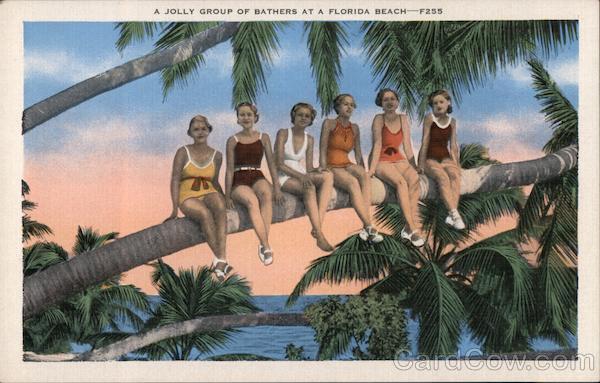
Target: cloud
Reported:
point(67, 67)
point(564, 72)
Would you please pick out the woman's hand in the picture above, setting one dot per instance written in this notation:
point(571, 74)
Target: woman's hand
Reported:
point(278, 196)
point(229, 203)
point(306, 181)
point(371, 173)
point(172, 216)
point(420, 170)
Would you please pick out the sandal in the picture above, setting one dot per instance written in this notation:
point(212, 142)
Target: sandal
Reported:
point(220, 274)
point(264, 258)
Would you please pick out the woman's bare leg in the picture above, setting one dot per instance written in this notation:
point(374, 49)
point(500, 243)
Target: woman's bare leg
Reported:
point(347, 182)
point(387, 172)
point(216, 204)
point(245, 196)
point(196, 209)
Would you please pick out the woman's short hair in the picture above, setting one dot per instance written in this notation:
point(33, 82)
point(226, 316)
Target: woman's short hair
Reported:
point(379, 97)
point(338, 101)
point(200, 118)
point(313, 112)
point(440, 92)
point(251, 106)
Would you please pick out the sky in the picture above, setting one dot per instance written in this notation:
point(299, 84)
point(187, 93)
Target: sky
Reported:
point(106, 163)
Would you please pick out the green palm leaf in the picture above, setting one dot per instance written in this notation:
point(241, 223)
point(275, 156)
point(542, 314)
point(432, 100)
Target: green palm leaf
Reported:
point(556, 107)
point(326, 41)
point(88, 239)
point(253, 47)
point(182, 72)
point(393, 58)
point(42, 255)
point(133, 31)
point(353, 260)
point(32, 228)
point(440, 311)
point(497, 268)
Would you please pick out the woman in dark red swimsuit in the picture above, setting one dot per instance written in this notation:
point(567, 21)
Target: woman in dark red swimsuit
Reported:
point(391, 131)
point(435, 160)
point(245, 182)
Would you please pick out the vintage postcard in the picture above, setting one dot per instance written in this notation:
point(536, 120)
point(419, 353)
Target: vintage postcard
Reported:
point(286, 191)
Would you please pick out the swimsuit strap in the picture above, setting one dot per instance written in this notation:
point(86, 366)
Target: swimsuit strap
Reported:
point(236, 139)
point(188, 155)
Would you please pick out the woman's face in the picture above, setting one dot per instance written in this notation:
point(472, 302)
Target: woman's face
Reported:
point(389, 102)
point(246, 117)
point(346, 107)
point(440, 104)
point(199, 130)
point(302, 117)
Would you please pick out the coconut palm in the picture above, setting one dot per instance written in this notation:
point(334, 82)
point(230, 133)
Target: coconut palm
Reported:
point(551, 209)
point(490, 47)
point(95, 316)
point(191, 294)
point(487, 284)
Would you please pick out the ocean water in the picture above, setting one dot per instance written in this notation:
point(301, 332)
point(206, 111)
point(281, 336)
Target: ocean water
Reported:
point(270, 341)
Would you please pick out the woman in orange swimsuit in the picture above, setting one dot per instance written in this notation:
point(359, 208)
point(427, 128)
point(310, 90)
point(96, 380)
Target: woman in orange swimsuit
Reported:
point(390, 131)
point(442, 165)
point(245, 182)
point(338, 137)
point(195, 190)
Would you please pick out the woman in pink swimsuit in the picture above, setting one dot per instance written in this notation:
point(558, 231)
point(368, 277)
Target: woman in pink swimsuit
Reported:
point(390, 131)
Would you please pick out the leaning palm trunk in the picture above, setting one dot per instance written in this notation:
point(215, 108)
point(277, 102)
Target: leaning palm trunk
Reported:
point(137, 341)
point(58, 282)
point(123, 74)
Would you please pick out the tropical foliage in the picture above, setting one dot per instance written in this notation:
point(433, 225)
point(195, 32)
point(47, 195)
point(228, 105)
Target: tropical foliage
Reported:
point(551, 210)
point(95, 316)
point(375, 320)
point(413, 57)
point(486, 284)
point(192, 294)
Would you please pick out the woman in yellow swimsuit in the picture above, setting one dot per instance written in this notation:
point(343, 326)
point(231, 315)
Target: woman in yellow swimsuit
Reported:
point(339, 136)
point(195, 190)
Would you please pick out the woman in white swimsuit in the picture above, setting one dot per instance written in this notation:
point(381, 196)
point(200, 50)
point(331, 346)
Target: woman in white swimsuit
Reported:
point(292, 146)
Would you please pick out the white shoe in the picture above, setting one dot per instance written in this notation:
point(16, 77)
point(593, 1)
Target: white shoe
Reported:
point(373, 235)
point(457, 220)
point(449, 220)
point(265, 255)
point(363, 234)
point(413, 237)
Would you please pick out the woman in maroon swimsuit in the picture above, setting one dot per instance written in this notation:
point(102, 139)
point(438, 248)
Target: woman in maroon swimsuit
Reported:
point(442, 165)
point(245, 182)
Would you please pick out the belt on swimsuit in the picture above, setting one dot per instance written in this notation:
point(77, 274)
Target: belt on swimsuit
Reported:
point(246, 168)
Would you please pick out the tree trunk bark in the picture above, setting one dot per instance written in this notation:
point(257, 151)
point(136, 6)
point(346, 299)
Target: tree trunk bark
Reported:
point(58, 282)
point(123, 74)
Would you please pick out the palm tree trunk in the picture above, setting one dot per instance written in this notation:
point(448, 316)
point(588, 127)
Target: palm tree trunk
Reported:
point(123, 74)
point(58, 282)
point(205, 324)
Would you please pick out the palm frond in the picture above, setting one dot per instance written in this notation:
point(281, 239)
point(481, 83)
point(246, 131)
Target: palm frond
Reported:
point(254, 45)
point(134, 31)
point(182, 72)
point(556, 107)
point(353, 260)
point(391, 55)
point(88, 239)
point(32, 228)
point(556, 297)
point(42, 255)
point(440, 311)
point(326, 41)
point(498, 269)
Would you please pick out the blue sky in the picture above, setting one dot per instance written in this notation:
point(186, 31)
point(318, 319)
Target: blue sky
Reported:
point(502, 114)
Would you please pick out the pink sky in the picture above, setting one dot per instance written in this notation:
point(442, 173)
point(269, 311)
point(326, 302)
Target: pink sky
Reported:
point(127, 193)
